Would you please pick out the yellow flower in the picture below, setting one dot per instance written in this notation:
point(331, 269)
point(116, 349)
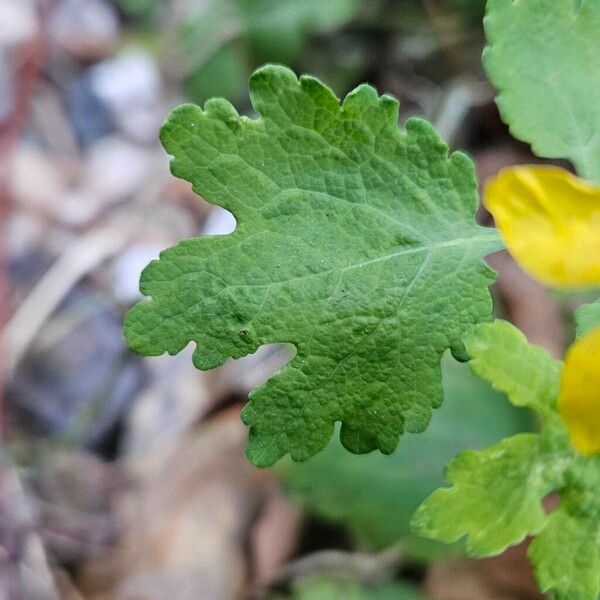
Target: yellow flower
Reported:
point(579, 398)
point(550, 222)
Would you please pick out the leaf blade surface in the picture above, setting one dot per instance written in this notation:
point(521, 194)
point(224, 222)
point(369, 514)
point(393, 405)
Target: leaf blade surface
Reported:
point(543, 57)
point(355, 242)
point(495, 499)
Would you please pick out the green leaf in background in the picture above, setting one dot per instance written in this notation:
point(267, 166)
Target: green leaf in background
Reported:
point(543, 56)
point(587, 317)
point(471, 11)
point(223, 73)
point(329, 588)
point(224, 38)
point(374, 496)
point(277, 29)
point(496, 495)
point(139, 9)
point(356, 243)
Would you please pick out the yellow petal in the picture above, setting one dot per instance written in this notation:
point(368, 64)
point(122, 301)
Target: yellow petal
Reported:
point(550, 223)
point(579, 398)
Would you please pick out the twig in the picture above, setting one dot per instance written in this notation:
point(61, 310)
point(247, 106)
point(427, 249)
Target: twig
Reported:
point(24, 570)
point(26, 77)
point(85, 254)
point(369, 568)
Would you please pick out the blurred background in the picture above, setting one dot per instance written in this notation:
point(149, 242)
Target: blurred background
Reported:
point(125, 478)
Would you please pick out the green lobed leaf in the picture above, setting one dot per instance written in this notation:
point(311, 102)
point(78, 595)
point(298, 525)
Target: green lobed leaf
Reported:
point(496, 497)
point(587, 317)
point(374, 496)
point(501, 355)
point(355, 242)
point(543, 56)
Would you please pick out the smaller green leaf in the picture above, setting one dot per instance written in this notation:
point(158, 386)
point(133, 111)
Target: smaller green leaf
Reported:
point(495, 500)
point(566, 554)
point(496, 497)
point(527, 374)
point(587, 317)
